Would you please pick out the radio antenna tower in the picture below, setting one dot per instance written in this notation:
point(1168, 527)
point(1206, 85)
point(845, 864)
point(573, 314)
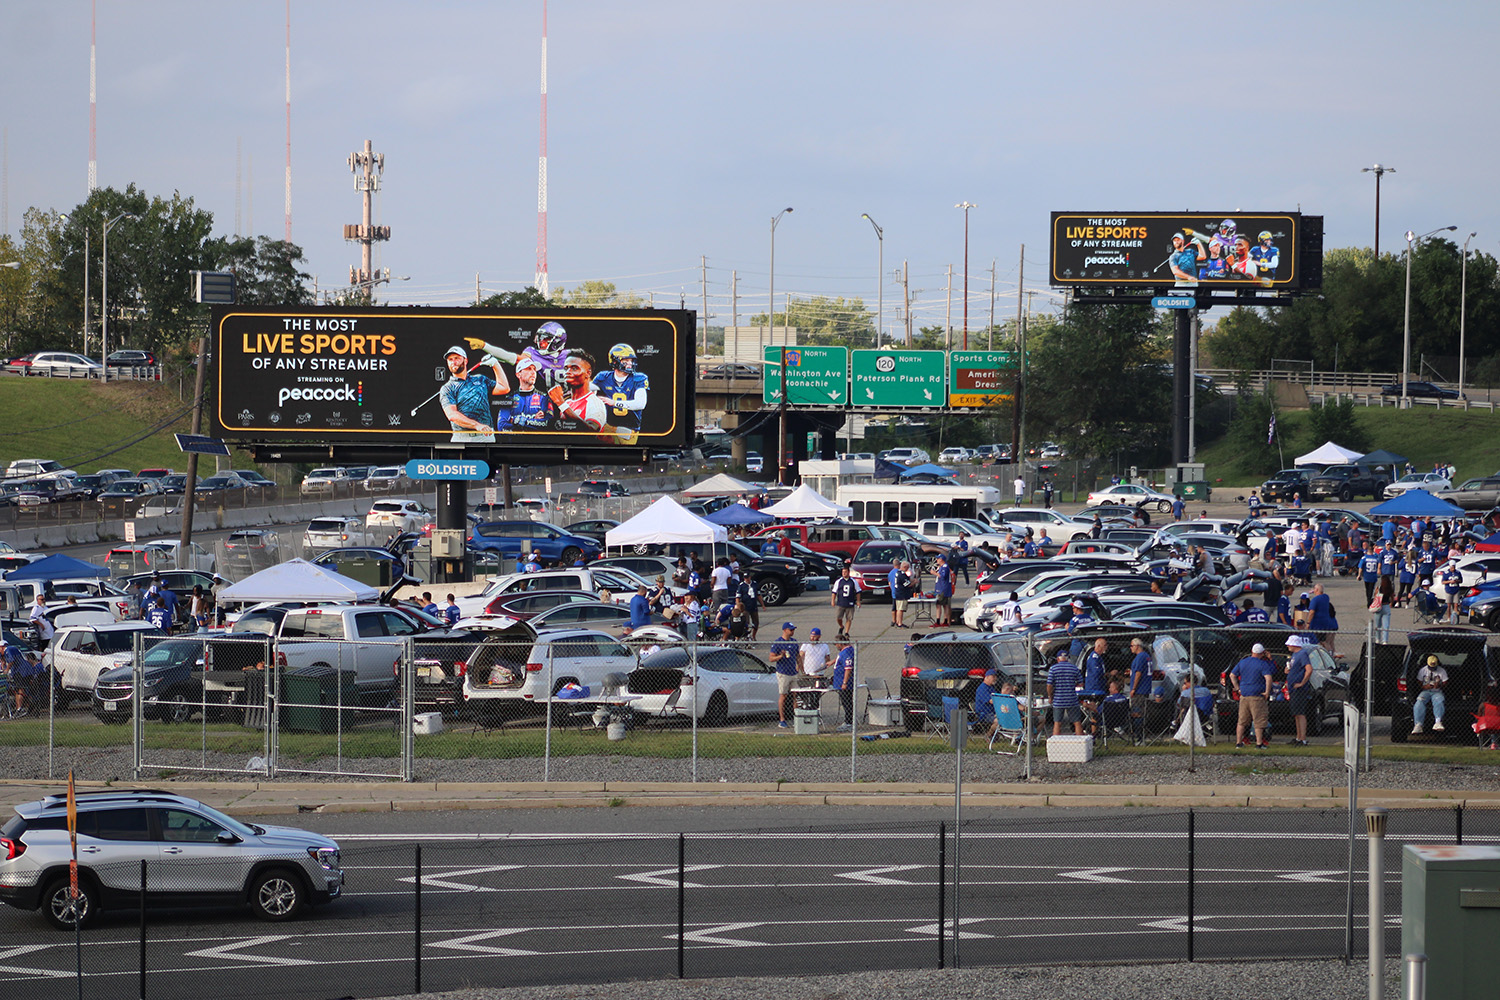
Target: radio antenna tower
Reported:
point(541, 175)
point(367, 165)
point(93, 106)
point(288, 121)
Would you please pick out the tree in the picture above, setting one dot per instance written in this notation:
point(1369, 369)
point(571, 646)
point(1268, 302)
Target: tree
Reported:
point(825, 320)
point(1250, 427)
point(526, 298)
point(595, 294)
point(1334, 421)
point(265, 270)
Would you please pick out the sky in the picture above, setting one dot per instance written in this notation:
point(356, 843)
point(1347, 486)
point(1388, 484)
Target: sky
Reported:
point(679, 128)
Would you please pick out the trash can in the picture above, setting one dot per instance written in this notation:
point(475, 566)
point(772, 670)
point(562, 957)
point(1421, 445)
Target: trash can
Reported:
point(311, 698)
point(1196, 490)
point(254, 699)
point(1450, 911)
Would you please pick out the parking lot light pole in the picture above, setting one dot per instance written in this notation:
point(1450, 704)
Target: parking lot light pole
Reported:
point(104, 295)
point(781, 475)
point(1378, 171)
point(1411, 242)
point(1463, 294)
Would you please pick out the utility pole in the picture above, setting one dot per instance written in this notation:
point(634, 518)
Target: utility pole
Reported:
point(478, 297)
point(367, 167)
point(1017, 399)
point(965, 205)
point(734, 314)
point(992, 305)
point(704, 259)
point(948, 312)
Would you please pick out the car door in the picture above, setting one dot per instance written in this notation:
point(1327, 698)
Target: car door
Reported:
point(112, 843)
point(74, 657)
point(758, 682)
point(194, 860)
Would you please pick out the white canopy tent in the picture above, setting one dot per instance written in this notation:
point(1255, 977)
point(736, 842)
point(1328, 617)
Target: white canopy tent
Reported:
point(1329, 454)
point(664, 523)
point(805, 502)
point(720, 485)
point(298, 580)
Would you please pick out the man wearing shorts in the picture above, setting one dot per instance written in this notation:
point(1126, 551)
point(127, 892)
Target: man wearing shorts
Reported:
point(784, 655)
point(845, 598)
point(1140, 685)
point(1298, 686)
point(901, 590)
point(1251, 677)
point(1062, 688)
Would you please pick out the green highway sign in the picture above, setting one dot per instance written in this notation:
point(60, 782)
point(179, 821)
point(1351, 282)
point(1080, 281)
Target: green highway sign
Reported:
point(899, 378)
point(815, 376)
point(979, 378)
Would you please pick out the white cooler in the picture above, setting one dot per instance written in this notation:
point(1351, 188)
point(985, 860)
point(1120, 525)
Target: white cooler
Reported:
point(427, 723)
point(1070, 749)
point(884, 711)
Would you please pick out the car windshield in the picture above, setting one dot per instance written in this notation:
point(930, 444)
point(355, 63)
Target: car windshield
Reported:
point(116, 642)
point(879, 553)
point(167, 653)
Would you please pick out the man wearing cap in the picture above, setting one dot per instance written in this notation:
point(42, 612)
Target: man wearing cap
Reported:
point(1080, 619)
point(1140, 685)
point(1430, 679)
point(843, 683)
point(1062, 689)
point(845, 599)
point(465, 397)
point(814, 655)
point(530, 408)
point(784, 656)
point(1298, 686)
point(1251, 677)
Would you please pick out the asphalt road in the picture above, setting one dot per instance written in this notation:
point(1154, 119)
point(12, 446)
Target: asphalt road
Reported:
point(591, 896)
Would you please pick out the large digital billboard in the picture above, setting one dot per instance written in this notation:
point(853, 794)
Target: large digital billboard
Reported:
point(1184, 250)
point(455, 377)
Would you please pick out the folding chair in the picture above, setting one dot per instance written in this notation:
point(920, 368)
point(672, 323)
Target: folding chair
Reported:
point(1009, 724)
point(937, 716)
point(1426, 607)
point(1114, 720)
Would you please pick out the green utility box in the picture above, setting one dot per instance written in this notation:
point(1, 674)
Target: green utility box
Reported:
point(1197, 490)
point(1450, 911)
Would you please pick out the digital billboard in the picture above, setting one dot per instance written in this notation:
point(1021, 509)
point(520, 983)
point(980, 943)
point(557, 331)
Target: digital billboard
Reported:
point(408, 376)
point(1183, 249)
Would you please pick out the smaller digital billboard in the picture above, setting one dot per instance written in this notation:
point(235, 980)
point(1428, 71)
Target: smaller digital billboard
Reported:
point(405, 376)
point(1182, 250)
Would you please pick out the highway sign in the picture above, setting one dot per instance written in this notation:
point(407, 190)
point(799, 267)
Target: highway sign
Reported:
point(899, 378)
point(1173, 302)
point(980, 378)
point(815, 376)
point(447, 468)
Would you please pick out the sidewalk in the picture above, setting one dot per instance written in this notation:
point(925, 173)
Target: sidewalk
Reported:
point(251, 798)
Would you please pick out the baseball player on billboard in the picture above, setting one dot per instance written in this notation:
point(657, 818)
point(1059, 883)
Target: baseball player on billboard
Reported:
point(623, 387)
point(466, 396)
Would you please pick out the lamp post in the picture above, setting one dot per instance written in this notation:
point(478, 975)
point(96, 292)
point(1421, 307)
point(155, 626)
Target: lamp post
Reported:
point(879, 278)
point(104, 296)
point(771, 311)
point(1411, 240)
point(1377, 170)
point(771, 326)
point(1463, 292)
point(966, 206)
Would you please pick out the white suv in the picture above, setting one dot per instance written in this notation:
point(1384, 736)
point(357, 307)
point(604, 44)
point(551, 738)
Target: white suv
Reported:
point(906, 456)
point(192, 852)
point(514, 671)
point(393, 517)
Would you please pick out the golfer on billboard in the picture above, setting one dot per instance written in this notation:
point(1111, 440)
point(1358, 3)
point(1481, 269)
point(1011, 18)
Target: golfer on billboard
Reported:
point(466, 397)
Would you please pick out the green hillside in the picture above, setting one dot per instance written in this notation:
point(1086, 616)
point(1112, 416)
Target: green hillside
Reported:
point(89, 426)
point(1469, 440)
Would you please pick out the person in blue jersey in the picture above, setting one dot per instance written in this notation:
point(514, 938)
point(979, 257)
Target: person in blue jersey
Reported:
point(1216, 267)
point(1265, 255)
point(466, 397)
point(549, 350)
point(530, 408)
point(623, 387)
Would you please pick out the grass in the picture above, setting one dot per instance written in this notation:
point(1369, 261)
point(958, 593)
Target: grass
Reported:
point(1470, 440)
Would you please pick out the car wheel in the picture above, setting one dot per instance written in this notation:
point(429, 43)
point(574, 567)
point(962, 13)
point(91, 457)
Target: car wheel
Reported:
point(276, 894)
point(1379, 493)
point(570, 555)
point(770, 592)
point(717, 713)
point(1315, 717)
point(62, 910)
point(1346, 494)
point(176, 708)
point(1164, 506)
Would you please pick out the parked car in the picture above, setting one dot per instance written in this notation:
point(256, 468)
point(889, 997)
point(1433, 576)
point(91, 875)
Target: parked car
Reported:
point(1464, 652)
point(378, 567)
point(602, 488)
point(1475, 494)
point(595, 529)
point(129, 489)
point(1330, 684)
point(1429, 481)
point(582, 614)
point(524, 605)
point(548, 541)
point(63, 363)
point(80, 653)
point(906, 456)
point(171, 684)
point(713, 683)
point(515, 671)
point(874, 561)
point(1133, 495)
point(251, 550)
point(1348, 481)
point(395, 517)
point(325, 482)
point(43, 468)
point(335, 531)
point(955, 453)
point(1421, 390)
point(277, 871)
point(155, 474)
point(1286, 485)
point(950, 664)
point(90, 486)
point(755, 462)
point(728, 370)
point(386, 479)
point(130, 359)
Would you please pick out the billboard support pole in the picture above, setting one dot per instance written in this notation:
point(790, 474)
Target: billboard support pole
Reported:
point(191, 487)
point(1181, 384)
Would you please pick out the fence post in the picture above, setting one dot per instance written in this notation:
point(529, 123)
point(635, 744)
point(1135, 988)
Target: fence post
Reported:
point(270, 698)
point(1458, 823)
point(408, 710)
point(681, 898)
point(1191, 877)
point(942, 907)
point(417, 922)
point(142, 976)
point(693, 710)
point(137, 711)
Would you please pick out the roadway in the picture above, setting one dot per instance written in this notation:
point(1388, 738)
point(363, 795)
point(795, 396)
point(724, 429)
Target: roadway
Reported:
point(775, 890)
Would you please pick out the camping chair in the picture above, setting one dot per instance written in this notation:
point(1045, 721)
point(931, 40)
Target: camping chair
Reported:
point(1009, 724)
point(1426, 607)
point(937, 716)
point(7, 697)
point(1114, 719)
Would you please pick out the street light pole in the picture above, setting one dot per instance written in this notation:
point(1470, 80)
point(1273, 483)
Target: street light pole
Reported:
point(1411, 240)
point(1377, 170)
point(781, 476)
point(1463, 292)
point(104, 296)
point(879, 279)
point(965, 205)
point(771, 309)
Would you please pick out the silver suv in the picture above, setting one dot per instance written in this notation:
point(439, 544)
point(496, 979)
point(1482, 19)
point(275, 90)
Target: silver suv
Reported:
point(195, 855)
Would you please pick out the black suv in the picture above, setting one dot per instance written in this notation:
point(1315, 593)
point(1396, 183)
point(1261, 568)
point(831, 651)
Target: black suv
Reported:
point(602, 488)
point(1285, 485)
point(777, 579)
point(1462, 651)
point(1348, 481)
point(1422, 390)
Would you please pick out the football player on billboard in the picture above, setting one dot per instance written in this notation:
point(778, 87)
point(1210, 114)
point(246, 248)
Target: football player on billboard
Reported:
point(531, 409)
point(1224, 238)
point(466, 395)
point(582, 406)
point(1265, 255)
point(548, 349)
point(623, 387)
point(1241, 263)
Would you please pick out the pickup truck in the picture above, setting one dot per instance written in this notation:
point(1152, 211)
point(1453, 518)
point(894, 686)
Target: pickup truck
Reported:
point(842, 540)
point(1348, 481)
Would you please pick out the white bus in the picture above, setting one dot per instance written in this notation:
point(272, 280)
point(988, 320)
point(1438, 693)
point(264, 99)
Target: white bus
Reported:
point(875, 503)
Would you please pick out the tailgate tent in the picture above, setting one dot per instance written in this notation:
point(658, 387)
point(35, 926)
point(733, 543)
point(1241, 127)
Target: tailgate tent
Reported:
point(664, 523)
point(805, 502)
point(1328, 454)
point(738, 513)
point(58, 567)
point(1490, 544)
point(1416, 503)
point(722, 485)
point(1383, 457)
point(298, 580)
point(927, 469)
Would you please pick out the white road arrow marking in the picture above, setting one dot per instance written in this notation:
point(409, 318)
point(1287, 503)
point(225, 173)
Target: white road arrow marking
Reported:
point(874, 876)
point(1323, 876)
point(1175, 924)
point(26, 949)
point(467, 943)
point(710, 935)
point(434, 881)
point(1095, 874)
point(947, 927)
point(667, 876)
point(228, 951)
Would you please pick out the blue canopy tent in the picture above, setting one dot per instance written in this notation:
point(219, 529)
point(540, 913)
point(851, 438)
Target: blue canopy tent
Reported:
point(738, 513)
point(928, 468)
point(1416, 503)
point(1383, 457)
point(58, 567)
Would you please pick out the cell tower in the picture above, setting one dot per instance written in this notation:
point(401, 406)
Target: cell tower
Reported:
point(289, 126)
point(367, 165)
point(541, 174)
point(93, 106)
